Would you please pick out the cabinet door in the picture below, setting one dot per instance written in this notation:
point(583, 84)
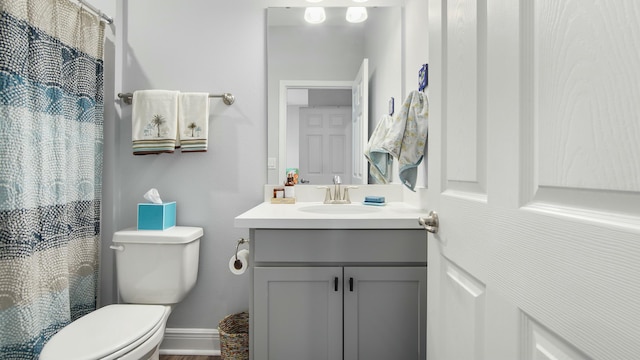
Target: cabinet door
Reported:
point(297, 313)
point(385, 313)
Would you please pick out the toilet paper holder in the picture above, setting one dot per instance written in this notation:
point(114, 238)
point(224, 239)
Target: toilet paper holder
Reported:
point(238, 264)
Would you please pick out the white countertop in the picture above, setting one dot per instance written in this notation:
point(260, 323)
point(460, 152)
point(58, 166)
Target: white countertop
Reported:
point(394, 215)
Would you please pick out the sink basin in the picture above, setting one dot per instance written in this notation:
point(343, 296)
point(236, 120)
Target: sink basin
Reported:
point(339, 209)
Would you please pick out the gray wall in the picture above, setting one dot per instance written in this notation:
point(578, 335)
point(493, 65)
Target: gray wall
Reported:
point(383, 48)
point(415, 53)
point(329, 97)
point(193, 45)
point(211, 46)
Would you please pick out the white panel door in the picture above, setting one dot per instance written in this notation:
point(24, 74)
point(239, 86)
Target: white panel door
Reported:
point(360, 124)
point(534, 170)
point(325, 143)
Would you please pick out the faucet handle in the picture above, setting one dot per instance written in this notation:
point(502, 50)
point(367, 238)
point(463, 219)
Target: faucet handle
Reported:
point(327, 194)
point(336, 180)
point(346, 193)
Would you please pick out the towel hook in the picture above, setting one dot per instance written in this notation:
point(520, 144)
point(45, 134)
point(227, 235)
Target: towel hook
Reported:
point(423, 77)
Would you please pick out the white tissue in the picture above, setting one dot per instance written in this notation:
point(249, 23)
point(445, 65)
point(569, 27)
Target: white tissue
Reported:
point(153, 196)
point(240, 266)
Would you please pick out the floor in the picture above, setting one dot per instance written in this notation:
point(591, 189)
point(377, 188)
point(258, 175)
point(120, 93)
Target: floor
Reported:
point(188, 357)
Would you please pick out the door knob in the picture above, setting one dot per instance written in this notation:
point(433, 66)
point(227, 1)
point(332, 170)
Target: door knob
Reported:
point(430, 223)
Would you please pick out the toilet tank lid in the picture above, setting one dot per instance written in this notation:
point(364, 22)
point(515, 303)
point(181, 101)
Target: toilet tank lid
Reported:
point(174, 235)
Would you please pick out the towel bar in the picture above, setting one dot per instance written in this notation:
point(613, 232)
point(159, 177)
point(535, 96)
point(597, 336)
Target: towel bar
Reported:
point(227, 98)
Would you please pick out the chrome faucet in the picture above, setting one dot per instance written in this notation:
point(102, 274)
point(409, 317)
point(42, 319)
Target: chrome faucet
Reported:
point(336, 187)
point(337, 197)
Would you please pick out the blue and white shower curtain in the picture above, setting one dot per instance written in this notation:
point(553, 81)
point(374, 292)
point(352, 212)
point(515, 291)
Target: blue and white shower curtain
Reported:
point(51, 119)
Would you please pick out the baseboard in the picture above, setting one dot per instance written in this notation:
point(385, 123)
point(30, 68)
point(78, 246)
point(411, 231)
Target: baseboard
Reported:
point(178, 341)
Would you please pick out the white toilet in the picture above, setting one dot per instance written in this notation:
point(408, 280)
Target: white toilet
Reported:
point(155, 269)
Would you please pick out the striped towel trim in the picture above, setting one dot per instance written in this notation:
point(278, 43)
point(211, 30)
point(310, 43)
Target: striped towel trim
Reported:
point(193, 145)
point(144, 147)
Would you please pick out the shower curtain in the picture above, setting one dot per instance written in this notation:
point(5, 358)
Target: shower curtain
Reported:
point(51, 119)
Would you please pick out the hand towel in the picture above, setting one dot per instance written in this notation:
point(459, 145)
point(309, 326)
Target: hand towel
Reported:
point(193, 121)
point(154, 121)
point(380, 158)
point(415, 114)
point(403, 137)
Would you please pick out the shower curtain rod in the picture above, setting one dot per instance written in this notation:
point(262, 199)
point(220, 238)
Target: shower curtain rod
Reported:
point(108, 19)
point(227, 98)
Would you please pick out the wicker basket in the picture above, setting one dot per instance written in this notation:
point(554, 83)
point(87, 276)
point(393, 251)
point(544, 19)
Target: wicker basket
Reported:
point(234, 336)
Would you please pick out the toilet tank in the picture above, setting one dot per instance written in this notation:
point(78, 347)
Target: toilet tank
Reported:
point(156, 266)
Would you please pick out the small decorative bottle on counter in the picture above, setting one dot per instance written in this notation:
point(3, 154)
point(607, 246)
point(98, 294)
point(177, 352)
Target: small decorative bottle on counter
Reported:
point(289, 189)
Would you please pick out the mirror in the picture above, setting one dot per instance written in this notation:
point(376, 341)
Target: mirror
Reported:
point(311, 74)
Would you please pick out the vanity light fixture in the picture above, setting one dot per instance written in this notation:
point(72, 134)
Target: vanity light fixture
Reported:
point(356, 14)
point(315, 15)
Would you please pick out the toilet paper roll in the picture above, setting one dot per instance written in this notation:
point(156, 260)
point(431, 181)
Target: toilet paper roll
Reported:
point(239, 266)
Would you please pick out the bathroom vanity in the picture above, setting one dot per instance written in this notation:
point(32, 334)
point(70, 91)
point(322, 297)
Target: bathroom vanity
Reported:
point(337, 281)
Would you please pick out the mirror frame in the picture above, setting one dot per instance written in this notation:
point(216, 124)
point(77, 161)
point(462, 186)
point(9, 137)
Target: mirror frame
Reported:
point(277, 164)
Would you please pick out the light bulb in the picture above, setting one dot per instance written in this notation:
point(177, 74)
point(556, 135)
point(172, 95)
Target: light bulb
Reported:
point(356, 14)
point(315, 15)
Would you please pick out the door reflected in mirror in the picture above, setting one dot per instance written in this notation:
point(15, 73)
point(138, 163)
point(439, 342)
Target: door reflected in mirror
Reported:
point(318, 142)
point(310, 62)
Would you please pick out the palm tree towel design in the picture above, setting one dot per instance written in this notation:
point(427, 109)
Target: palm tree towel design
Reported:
point(193, 121)
point(154, 121)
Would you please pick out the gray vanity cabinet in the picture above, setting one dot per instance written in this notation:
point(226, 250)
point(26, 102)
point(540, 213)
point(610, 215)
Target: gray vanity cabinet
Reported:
point(297, 313)
point(339, 294)
point(384, 309)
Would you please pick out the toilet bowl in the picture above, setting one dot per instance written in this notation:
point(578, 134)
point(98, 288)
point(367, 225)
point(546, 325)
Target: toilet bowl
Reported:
point(155, 269)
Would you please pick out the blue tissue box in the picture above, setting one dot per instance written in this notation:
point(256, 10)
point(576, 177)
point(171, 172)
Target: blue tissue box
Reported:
point(156, 216)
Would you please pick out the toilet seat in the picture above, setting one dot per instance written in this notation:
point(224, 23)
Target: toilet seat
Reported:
point(109, 333)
